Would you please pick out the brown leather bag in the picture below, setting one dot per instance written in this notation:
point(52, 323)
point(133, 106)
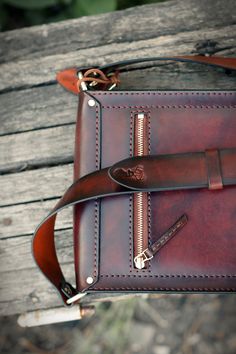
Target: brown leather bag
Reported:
point(154, 190)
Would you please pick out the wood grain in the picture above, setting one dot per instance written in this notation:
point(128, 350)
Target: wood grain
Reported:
point(22, 256)
point(22, 219)
point(35, 185)
point(132, 25)
point(35, 108)
point(37, 148)
point(42, 70)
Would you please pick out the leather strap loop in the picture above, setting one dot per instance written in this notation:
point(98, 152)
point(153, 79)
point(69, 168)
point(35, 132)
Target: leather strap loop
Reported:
point(214, 169)
point(157, 173)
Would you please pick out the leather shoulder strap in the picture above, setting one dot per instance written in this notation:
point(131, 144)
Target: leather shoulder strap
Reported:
point(223, 62)
point(68, 78)
point(212, 169)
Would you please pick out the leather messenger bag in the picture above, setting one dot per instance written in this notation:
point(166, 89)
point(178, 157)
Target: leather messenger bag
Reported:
point(154, 189)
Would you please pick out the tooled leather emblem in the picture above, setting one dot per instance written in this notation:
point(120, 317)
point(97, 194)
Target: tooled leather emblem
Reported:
point(136, 173)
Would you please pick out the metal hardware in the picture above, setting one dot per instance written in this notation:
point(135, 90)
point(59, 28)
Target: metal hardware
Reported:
point(89, 280)
point(83, 84)
point(140, 116)
point(139, 199)
point(112, 87)
point(67, 289)
point(93, 83)
point(75, 298)
point(91, 103)
point(142, 258)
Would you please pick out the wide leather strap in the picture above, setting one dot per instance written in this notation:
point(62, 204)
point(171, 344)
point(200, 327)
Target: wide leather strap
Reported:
point(68, 78)
point(223, 62)
point(212, 169)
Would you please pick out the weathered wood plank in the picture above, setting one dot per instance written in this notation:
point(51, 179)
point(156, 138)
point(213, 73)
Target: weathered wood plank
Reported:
point(36, 108)
point(40, 184)
point(22, 219)
point(37, 148)
point(139, 23)
point(27, 289)
point(42, 70)
point(51, 106)
point(31, 291)
point(15, 252)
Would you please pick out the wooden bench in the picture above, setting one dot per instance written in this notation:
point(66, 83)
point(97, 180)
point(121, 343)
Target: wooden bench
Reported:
point(38, 117)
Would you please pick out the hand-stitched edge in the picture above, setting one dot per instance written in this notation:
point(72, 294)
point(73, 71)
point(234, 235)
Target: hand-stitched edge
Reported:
point(171, 106)
point(166, 93)
point(131, 197)
point(149, 194)
point(168, 276)
point(96, 203)
point(195, 289)
point(166, 106)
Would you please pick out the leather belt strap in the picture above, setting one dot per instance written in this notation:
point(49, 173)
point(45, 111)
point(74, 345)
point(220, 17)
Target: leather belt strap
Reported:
point(147, 173)
point(212, 169)
point(69, 78)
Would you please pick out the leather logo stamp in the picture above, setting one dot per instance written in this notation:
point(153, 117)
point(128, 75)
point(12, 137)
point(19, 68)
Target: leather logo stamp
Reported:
point(136, 173)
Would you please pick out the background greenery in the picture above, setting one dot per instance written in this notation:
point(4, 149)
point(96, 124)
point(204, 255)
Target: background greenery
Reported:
point(22, 13)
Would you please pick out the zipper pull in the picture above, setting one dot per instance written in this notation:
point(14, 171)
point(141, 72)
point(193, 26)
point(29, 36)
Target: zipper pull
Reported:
point(150, 252)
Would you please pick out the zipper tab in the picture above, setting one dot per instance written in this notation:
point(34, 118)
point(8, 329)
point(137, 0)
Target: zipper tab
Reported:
point(142, 258)
point(151, 251)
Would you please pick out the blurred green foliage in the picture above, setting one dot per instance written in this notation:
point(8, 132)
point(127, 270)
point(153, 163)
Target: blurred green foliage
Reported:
point(22, 13)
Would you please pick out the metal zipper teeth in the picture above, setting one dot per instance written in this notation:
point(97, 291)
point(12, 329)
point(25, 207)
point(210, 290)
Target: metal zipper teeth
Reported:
point(139, 236)
point(139, 198)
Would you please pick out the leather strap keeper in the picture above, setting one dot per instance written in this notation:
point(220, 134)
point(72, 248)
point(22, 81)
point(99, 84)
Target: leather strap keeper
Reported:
point(214, 169)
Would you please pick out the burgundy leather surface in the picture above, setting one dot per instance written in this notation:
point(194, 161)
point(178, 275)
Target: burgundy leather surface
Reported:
point(202, 256)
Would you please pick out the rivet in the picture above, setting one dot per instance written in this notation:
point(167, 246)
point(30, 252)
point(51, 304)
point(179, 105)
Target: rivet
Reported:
point(89, 280)
point(91, 103)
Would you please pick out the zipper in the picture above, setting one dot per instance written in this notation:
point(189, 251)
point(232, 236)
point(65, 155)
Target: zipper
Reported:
point(143, 252)
point(140, 200)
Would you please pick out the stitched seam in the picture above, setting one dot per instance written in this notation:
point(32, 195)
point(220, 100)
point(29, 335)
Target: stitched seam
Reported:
point(96, 227)
point(150, 93)
point(194, 276)
point(170, 106)
point(168, 289)
point(149, 194)
point(131, 197)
